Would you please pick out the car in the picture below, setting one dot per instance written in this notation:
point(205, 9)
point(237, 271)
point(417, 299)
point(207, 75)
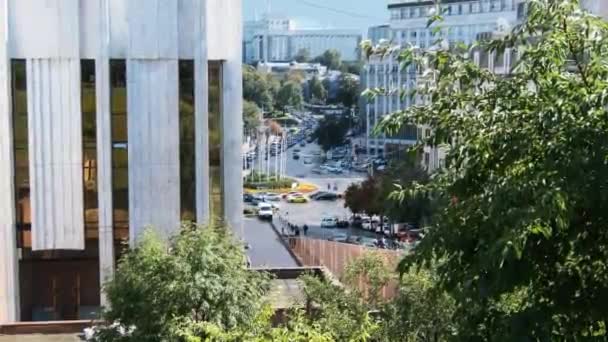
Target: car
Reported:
point(317, 171)
point(329, 222)
point(296, 156)
point(325, 196)
point(297, 199)
point(356, 221)
point(272, 197)
point(265, 211)
point(343, 238)
point(342, 224)
point(291, 193)
point(302, 143)
point(366, 223)
point(247, 198)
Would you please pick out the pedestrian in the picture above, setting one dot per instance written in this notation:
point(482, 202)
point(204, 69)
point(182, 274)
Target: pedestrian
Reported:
point(305, 229)
point(297, 231)
point(328, 186)
point(282, 230)
point(336, 187)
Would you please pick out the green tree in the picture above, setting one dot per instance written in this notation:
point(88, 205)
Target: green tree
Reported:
point(365, 197)
point(332, 131)
point(318, 92)
point(330, 58)
point(259, 88)
point(290, 95)
point(522, 231)
point(349, 90)
point(302, 56)
point(252, 115)
point(199, 275)
point(421, 311)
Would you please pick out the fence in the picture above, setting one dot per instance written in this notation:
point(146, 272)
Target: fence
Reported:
point(335, 256)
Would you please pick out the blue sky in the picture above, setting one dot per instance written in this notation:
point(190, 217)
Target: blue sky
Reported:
point(360, 14)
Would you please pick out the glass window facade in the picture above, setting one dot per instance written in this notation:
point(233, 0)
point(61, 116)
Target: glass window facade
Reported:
point(21, 149)
point(120, 157)
point(57, 284)
point(216, 185)
point(89, 147)
point(187, 145)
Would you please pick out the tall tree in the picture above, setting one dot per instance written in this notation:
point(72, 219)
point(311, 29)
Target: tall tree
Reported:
point(332, 131)
point(290, 95)
point(331, 59)
point(349, 90)
point(318, 93)
point(258, 88)
point(302, 56)
point(252, 115)
point(523, 229)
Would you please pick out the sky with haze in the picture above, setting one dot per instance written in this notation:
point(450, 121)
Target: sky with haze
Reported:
point(354, 14)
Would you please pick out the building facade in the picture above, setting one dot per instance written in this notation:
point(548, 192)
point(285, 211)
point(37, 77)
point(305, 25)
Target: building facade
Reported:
point(463, 21)
point(277, 40)
point(115, 116)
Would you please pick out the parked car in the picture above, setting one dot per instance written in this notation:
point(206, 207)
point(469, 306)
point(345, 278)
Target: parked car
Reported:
point(329, 222)
point(265, 211)
point(297, 199)
point(272, 197)
point(324, 196)
point(296, 156)
point(291, 193)
point(366, 223)
point(302, 143)
point(356, 221)
point(343, 238)
point(342, 223)
point(247, 198)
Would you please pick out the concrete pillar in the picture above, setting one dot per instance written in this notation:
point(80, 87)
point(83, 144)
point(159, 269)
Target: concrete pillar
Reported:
point(9, 263)
point(232, 124)
point(201, 115)
point(104, 151)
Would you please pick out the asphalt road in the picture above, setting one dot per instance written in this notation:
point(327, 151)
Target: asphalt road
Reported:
point(265, 247)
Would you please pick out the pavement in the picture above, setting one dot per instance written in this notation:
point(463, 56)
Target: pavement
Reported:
point(265, 246)
point(41, 338)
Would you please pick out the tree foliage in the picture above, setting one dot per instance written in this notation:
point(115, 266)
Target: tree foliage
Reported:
point(523, 229)
point(289, 95)
point(318, 93)
point(252, 115)
point(259, 88)
point(330, 58)
point(302, 56)
point(199, 275)
point(332, 131)
point(348, 90)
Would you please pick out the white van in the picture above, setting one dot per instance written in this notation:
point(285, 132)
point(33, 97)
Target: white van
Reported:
point(265, 211)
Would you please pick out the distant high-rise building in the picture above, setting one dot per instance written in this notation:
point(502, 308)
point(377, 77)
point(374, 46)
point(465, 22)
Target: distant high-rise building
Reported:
point(463, 21)
point(278, 40)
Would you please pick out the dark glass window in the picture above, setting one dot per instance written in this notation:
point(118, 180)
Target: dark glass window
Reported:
point(120, 160)
point(89, 147)
point(21, 149)
point(186, 141)
point(215, 140)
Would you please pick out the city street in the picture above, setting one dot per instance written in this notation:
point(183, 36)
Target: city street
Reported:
point(312, 213)
point(265, 248)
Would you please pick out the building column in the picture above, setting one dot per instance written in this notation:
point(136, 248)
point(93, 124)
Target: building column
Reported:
point(104, 152)
point(9, 262)
point(201, 116)
point(232, 125)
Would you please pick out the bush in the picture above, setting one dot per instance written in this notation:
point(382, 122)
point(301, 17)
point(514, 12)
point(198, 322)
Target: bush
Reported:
point(198, 275)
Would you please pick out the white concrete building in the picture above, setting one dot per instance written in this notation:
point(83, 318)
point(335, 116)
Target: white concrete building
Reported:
point(106, 129)
point(463, 21)
point(278, 40)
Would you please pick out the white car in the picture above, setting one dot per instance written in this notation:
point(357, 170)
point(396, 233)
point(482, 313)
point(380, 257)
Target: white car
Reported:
point(272, 197)
point(329, 222)
point(265, 211)
point(366, 223)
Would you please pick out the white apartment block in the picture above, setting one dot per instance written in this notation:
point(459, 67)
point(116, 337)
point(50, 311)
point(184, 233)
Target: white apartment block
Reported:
point(277, 40)
point(463, 21)
point(115, 116)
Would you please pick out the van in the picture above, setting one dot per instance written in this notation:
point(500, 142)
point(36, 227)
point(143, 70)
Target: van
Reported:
point(265, 211)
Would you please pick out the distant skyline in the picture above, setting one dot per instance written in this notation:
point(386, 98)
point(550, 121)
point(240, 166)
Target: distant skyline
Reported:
point(352, 14)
